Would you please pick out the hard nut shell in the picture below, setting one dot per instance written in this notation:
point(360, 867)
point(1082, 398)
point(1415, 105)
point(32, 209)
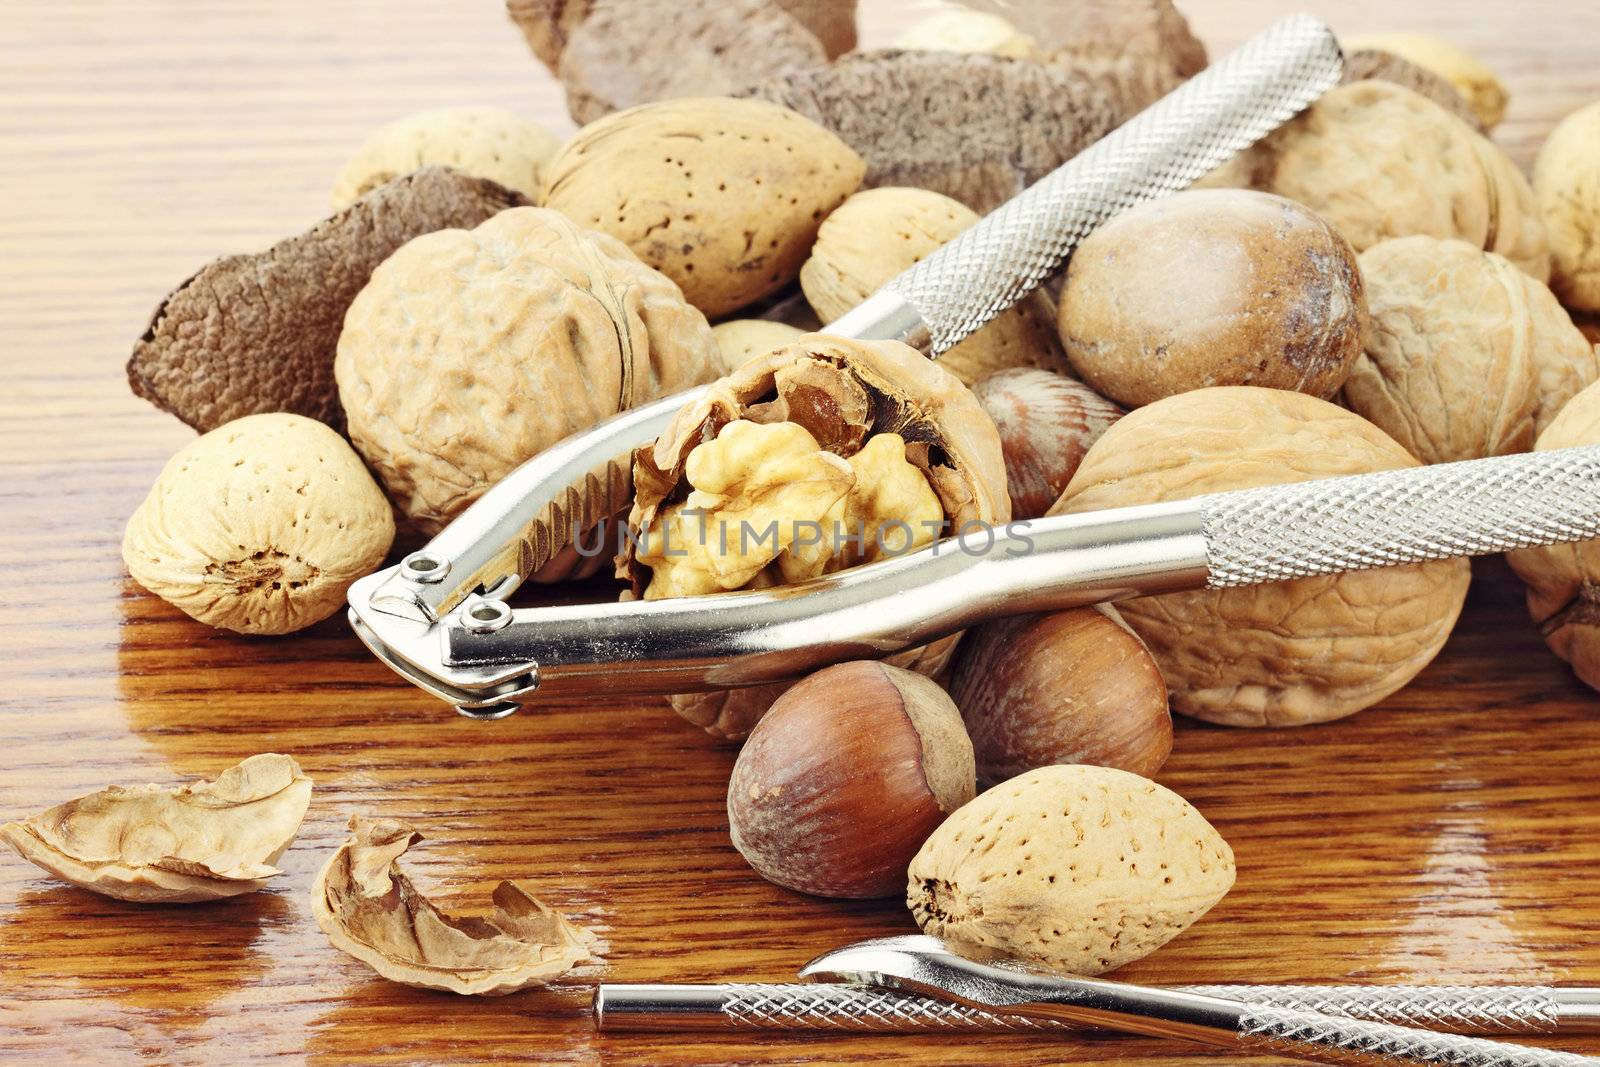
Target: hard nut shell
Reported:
point(741, 339)
point(976, 128)
point(172, 844)
point(1077, 869)
point(1379, 161)
point(259, 526)
point(1363, 63)
point(722, 196)
point(1467, 356)
point(846, 776)
point(1473, 81)
point(257, 333)
point(1047, 422)
point(1212, 287)
point(843, 392)
point(833, 22)
point(1287, 653)
point(877, 233)
point(370, 910)
point(1074, 686)
point(961, 29)
point(1564, 580)
point(485, 142)
point(471, 351)
point(614, 58)
point(1566, 183)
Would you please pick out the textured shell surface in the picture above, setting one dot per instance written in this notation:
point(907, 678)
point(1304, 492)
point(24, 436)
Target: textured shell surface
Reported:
point(1078, 868)
point(485, 142)
point(259, 526)
point(1287, 653)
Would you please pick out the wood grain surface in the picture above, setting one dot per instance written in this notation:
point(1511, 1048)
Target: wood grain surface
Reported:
point(1449, 835)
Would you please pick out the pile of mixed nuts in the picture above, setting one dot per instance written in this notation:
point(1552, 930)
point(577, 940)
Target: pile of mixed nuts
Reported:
point(1373, 286)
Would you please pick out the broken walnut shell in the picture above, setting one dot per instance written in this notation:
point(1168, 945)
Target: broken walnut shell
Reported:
point(370, 910)
point(877, 233)
point(471, 351)
point(723, 196)
point(172, 844)
point(977, 128)
point(613, 59)
point(845, 777)
point(842, 392)
point(257, 333)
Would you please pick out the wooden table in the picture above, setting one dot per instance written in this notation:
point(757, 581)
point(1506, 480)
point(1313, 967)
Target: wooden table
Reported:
point(1448, 835)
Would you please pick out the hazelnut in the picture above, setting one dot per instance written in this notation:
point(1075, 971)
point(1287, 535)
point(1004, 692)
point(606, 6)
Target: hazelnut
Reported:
point(1212, 287)
point(1566, 183)
point(876, 234)
point(1070, 687)
point(1079, 869)
point(1465, 72)
point(1379, 161)
point(1467, 356)
point(845, 777)
point(1287, 653)
point(1564, 580)
point(1047, 422)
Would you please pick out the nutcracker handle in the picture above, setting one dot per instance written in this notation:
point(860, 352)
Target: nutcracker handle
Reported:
point(1460, 1009)
point(520, 524)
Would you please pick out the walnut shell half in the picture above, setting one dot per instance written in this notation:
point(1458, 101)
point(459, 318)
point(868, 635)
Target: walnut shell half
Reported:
point(1286, 653)
point(843, 393)
point(168, 845)
point(370, 910)
point(471, 351)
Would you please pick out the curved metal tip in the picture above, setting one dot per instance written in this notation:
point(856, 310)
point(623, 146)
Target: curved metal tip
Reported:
point(917, 963)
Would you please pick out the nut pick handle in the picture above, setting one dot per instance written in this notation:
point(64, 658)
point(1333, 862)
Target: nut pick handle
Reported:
point(440, 619)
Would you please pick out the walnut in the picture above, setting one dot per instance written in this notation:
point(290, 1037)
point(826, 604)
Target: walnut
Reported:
point(472, 350)
point(1566, 182)
point(1463, 71)
point(1287, 653)
point(259, 526)
point(741, 339)
point(977, 128)
point(257, 333)
point(876, 234)
point(1467, 356)
point(370, 910)
point(1363, 63)
point(485, 142)
point(172, 844)
point(1212, 287)
point(1379, 161)
point(846, 395)
point(1564, 580)
point(722, 196)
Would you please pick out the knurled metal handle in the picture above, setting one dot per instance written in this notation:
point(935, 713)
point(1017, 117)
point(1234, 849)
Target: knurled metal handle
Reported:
point(1188, 133)
point(1357, 1043)
point(1472, 508)
point(824, 1006)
